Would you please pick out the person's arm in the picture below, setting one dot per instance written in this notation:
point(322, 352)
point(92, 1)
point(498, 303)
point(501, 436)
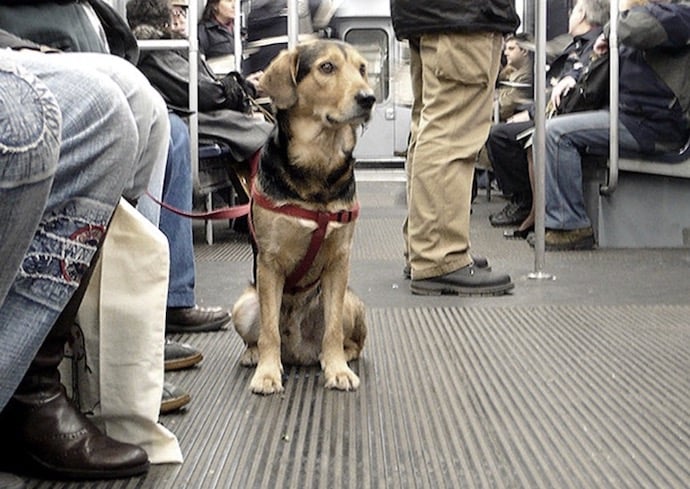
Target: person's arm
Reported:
point(655, 25)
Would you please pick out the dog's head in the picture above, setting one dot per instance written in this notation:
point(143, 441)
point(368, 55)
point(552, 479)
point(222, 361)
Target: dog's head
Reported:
point(326, 79)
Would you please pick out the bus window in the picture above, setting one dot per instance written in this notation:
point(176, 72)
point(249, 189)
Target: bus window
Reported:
point(373, 44)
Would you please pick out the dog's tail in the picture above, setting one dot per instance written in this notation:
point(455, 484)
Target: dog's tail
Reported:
point(245, 316)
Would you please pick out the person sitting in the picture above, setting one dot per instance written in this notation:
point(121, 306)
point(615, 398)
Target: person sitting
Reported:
point(514, 91)
point(81, 124)
point(654, 114)
point(507, 151)
point(180, 12)
point(224, 111)
point(216, 32)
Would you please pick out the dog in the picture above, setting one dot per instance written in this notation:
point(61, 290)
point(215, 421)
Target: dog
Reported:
point(300, 310)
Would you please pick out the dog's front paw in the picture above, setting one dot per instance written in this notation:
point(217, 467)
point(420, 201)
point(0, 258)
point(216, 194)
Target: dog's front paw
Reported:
point(250, 357)
point(266, 381)
point(341, 378)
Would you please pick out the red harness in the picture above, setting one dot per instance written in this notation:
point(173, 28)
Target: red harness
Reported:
point(321, 218)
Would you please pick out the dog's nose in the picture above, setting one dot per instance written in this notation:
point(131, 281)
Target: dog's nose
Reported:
point(365, 100)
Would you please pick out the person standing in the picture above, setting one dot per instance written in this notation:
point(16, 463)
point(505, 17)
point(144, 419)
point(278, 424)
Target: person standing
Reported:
point(455, 55)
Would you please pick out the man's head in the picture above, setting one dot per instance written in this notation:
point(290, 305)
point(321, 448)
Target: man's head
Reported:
point(154, 13)
point(587, 15)
point(516, 49)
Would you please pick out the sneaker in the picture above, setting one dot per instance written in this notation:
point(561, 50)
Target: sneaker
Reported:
point(180, 355)
point(469, 280)
point(511, 215)
point(566, 239)
point(195, 319)
point(173, 398)
point(479, 262)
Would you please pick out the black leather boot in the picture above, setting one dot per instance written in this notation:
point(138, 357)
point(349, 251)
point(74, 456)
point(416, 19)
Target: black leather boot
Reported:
point(44, 434)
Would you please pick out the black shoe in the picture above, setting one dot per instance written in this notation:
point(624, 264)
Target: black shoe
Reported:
point(173, 398)
point(468, 280)
point(478, 260)
point(195, 319)
point(180, 355)
point(511, 215)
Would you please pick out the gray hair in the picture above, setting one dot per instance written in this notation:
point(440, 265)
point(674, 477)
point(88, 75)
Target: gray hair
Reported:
point(596, 11)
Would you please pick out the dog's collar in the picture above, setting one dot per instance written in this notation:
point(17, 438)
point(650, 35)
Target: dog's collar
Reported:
point(320, 217)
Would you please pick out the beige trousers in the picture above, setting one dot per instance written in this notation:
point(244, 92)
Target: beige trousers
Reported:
point(453, 78)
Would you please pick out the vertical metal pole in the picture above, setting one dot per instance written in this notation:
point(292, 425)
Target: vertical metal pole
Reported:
point(237, 31)
point(539, 141)
point(612, 180)
point(293, 23)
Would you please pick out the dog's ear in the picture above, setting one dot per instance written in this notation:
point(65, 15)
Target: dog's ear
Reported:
point(279, 80)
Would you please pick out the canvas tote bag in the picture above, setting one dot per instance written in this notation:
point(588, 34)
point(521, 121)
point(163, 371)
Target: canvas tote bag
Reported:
point(117, 357)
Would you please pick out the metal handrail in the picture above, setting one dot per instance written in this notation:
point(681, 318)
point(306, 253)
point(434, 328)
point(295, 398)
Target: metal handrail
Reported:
point(612, 177)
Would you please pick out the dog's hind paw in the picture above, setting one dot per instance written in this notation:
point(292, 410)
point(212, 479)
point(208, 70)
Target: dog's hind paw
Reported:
point(250, 357)
point(266, 383)
point(343, 379)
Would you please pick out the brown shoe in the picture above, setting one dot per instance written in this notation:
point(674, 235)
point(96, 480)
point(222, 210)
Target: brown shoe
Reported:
point(195, 319)
point(571, 239)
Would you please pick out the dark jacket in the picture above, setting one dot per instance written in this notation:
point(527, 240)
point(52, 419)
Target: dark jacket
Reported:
point(68, 26)
point(654, 96)
point(222, 102)
point(412, 18)
point(215, 39)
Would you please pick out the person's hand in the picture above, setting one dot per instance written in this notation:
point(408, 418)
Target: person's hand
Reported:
point(561, 89)
point(254, 79)
point(601, 45)
point(522, 116)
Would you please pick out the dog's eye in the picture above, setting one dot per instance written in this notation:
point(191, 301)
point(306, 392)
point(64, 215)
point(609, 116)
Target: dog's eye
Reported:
point(363, 69)
point(327, 67)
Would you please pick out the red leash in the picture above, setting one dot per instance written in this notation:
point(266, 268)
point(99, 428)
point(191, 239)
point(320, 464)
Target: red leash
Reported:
point(230, 212)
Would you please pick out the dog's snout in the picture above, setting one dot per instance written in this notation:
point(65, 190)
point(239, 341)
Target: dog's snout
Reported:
point(365, 100)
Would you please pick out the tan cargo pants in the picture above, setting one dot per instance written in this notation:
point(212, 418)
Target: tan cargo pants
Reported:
point(453, 77)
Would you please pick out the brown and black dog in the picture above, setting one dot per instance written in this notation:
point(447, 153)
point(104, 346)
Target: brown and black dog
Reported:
point(304, 204)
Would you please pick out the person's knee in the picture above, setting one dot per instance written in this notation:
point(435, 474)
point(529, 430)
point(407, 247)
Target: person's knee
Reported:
point(30, 143)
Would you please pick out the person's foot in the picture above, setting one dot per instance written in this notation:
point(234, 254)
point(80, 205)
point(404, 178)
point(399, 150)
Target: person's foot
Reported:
point(195, 319)
point(173, 398)
point(180, 355)
point(566, 239)
point(51, 438)
point(518, 233)
point(478, 260)
point(511, 215)
point(469, 280)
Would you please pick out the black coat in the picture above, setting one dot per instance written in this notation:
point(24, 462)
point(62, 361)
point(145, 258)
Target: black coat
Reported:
point(411, 18)
point(222, 102)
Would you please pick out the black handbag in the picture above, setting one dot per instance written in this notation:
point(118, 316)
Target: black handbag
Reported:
point(591, 92)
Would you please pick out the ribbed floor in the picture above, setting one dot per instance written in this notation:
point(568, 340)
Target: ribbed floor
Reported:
point(579, 382)
point(550, 397)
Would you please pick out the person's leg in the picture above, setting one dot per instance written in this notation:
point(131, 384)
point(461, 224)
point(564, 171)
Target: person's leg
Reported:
point(568, 138)
point(508, 157)
point(96, 158)
point(150, 116)
point(177, 192)
point(454, 121)
point(29, 149)
point(183, 315)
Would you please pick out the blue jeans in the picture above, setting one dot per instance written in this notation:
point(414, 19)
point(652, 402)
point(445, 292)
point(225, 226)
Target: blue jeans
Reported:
point(568, 138)
point(111, 133)
point(177, 192)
